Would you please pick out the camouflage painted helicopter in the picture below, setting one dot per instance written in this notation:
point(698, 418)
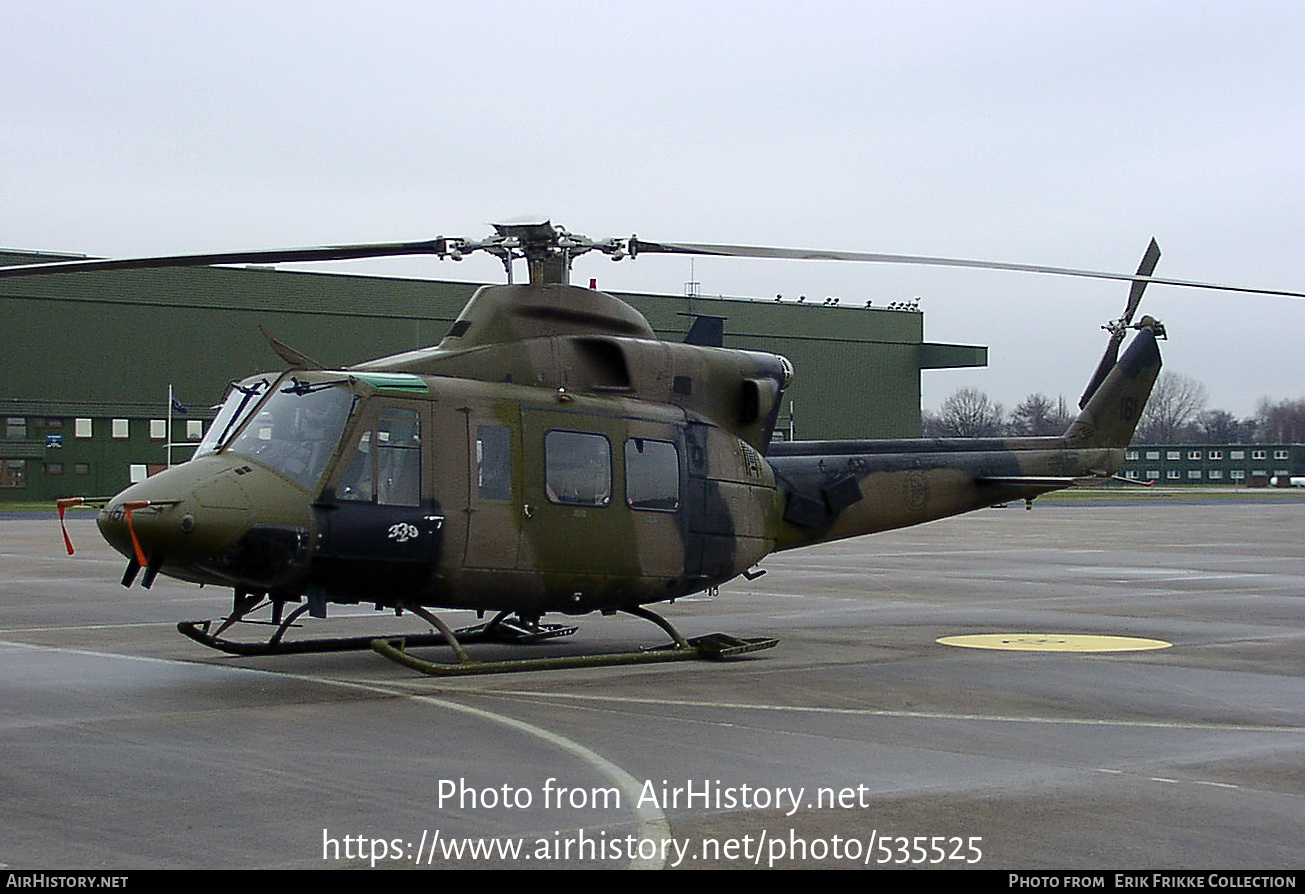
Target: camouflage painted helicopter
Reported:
point(553, 455)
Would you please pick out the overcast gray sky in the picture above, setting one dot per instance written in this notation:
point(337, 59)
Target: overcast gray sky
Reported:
point(1042, 132)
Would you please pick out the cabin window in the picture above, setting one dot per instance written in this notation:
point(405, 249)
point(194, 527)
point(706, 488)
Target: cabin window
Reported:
point(386, 466)
point(578, 468)
point(652, 475)
point(494, 462)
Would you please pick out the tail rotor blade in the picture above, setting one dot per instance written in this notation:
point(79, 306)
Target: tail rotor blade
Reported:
point(1146, 268)
point(1117, 329)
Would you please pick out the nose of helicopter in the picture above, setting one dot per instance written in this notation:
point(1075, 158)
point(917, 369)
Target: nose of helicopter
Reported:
point(195, 521)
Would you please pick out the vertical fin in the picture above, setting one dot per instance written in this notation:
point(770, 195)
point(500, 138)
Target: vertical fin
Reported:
point(1115, 407)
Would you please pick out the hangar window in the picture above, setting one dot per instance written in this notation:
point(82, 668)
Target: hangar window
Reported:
point(1153, 454)
point(1237, 454)
point(1194, 474)
point(1131, 454)
point(1152, 474)
point(15, 428)
point(158, 429)
point(54, 468)
point(1131, 473)
point(577, 468)
point(121, 429)
point(1280, 454)
point(1237, 474)
point(1216, 454)
point(1258, 454)
point(82, 428)
point(194, 429)
point(1174, 474)
point(1194, 454)
point(1216, 475)
point(652, 475)
point(138, 472)
point(1173, 454)
point(81, 468)
point(13, 473)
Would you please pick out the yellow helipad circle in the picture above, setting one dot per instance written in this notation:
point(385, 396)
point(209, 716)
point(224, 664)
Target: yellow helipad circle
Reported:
point(1053, 642)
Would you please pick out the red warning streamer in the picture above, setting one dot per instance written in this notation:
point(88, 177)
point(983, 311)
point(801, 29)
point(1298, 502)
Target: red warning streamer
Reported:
point(64, 505)
point(131, 529)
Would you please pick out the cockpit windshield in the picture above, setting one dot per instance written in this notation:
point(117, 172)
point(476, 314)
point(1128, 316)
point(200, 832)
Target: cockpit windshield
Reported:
point(296, 429)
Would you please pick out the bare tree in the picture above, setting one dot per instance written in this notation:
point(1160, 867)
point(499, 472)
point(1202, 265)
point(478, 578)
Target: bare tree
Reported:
point(1222, 427)
point(968, 413)
point(1176, 401)
point(1038, 414)
point(1280, 423)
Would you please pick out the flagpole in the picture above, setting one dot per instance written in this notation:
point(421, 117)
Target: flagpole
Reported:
point(169, 437)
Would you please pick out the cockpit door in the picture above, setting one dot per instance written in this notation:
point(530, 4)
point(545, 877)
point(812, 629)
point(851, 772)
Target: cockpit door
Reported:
point(379, 525)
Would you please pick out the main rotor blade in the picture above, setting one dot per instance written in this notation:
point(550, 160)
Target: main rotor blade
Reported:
point(639, 246)
point(437, 246)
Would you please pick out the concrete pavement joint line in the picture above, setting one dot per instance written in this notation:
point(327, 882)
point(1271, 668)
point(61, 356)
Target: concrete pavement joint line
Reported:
point(885, 712)
point(12, 630)
point(652, 822)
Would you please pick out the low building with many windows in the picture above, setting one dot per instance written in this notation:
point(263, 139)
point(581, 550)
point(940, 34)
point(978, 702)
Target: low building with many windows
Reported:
point(1243, 464)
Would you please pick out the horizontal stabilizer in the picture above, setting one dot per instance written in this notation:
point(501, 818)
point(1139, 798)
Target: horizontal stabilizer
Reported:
point(1044, 482)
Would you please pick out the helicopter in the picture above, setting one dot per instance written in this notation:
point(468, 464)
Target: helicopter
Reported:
point(553, 455)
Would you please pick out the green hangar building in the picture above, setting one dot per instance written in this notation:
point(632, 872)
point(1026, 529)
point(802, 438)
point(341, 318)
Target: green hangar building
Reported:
point(106, 374)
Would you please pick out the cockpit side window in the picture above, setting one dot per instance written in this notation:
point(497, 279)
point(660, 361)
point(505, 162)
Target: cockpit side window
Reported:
point(385, 467)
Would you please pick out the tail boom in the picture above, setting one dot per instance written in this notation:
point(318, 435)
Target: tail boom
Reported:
point(831, 490)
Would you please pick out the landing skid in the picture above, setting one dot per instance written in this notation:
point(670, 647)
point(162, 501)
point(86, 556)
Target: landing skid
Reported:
point(714, 646)
point(503, 628)
point(203, 633)
point(199, 632)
